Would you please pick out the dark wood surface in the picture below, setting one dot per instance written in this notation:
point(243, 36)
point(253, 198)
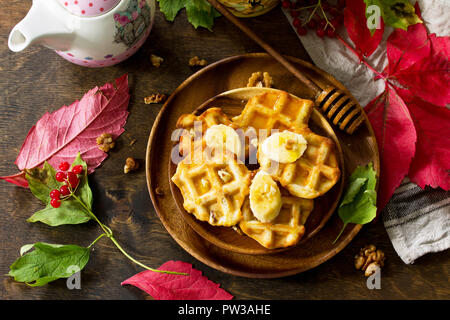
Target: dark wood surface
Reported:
point(38, 80)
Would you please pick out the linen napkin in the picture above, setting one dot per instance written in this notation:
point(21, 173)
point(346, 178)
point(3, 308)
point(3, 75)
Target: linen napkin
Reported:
point(416, 220)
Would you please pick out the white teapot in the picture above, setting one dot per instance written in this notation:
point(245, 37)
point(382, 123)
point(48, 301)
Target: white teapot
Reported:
point(92, 33)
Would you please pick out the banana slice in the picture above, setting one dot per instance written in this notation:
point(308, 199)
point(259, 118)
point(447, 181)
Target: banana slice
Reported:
point(284, 147)
point(223, 137)
point(265, 197)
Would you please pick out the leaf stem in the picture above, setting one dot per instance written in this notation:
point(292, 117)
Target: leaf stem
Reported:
point(98, 238)
point(342, 230)
point(139, 263)
point(362, 60)
point(108, 232)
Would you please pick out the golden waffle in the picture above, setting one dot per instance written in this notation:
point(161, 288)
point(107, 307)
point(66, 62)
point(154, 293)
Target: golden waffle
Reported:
point(275, 110)
point(207, 119)
point(313, 174)
point(285, 230)
point(214, 189)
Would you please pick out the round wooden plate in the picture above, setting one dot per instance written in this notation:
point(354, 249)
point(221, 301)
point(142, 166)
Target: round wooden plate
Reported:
point(232, 103)
point(231, 73)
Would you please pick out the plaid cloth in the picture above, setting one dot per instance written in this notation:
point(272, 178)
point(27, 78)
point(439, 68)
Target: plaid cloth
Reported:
point(416, 220)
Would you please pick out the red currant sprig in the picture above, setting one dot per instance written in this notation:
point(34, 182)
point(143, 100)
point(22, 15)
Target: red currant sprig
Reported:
point(71, 180)
point(323, 17)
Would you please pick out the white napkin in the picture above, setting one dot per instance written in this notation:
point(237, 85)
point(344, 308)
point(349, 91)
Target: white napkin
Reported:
point(417, 221)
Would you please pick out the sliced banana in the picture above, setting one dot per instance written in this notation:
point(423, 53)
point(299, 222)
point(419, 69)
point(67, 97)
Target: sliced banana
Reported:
point(265, 197)
point(284, 147)
point(223, 137)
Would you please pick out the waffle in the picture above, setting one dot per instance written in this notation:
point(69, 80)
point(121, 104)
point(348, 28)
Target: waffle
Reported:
point(285, 230)
point(275, 110)
point(214, 189)
point(207, 119)
point(313, 174)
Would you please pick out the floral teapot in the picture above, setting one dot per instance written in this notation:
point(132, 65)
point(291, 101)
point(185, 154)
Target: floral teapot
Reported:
point(92, 33)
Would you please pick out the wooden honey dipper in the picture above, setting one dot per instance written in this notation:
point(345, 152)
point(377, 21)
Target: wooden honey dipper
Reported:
point(341, 109)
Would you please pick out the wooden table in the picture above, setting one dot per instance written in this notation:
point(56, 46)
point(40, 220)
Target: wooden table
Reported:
point(37, 80)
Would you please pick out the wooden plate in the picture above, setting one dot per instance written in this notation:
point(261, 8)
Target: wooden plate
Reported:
point(231, 73)
point(232, 103)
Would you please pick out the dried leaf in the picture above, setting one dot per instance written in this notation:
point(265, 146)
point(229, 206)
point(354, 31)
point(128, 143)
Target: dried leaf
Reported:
point(178, 287)
point(60, 135)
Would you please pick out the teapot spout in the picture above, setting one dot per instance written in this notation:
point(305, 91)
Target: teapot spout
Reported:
point(46, 23)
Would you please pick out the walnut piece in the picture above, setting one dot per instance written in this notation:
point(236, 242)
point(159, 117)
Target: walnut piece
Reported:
point(130, 165)
point(260, 79)
point(197, 62)
point(369, 259)
point(155, 98)
point(105, 142)
point(156, 61)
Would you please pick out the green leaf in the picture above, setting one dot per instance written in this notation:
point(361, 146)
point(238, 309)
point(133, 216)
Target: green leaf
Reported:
point(70, 212)
point(83, 190)
point(353, 190)
point(200, 13)
point(170, 8)
point(42, 181)
point(358, 204)
point(48, 262)
point(396, 13)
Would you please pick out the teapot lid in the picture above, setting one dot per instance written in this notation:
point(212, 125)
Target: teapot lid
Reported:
point(88, 8)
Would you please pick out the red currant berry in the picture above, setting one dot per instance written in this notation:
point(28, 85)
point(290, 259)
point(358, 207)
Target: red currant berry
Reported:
point(77, 169)
point(296, 22)
point(64, 166)
point(64, 190)
point(320, 32)
point(312, 24)
point(55, 194)
point(302, 31)
point(286, 4)
point(330, 32)
point(322, 23)
point(55, 203)
point(294, 13)
point(336, 22)
point(60, 176)
point(73, 179)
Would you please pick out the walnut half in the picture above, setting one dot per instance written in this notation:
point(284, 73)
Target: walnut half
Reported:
point(131, 164)
point(105, 142)
point(369, 259)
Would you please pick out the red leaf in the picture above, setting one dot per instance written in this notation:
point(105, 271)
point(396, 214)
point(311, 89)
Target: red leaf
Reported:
point(429, 77)
point(404, 48)
point(420, 62)
point(355, 22)
point(431, 163)
point(60, 135)
point(17, 179)
point(162, 286)
point(396, 138)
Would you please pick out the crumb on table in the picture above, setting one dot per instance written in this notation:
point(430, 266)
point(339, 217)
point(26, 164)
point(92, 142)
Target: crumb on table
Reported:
point(197, 62)
point(156, 60)
point(155, 98)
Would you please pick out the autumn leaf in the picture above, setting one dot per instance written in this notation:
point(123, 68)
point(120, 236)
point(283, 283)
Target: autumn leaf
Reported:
point(396, 136)
point(194, 286)
point(60, 135)
point(431, 163)
point(356, 24)
point(430, 75)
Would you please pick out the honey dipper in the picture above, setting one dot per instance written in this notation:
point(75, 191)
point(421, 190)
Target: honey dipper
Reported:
point(341, 109)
